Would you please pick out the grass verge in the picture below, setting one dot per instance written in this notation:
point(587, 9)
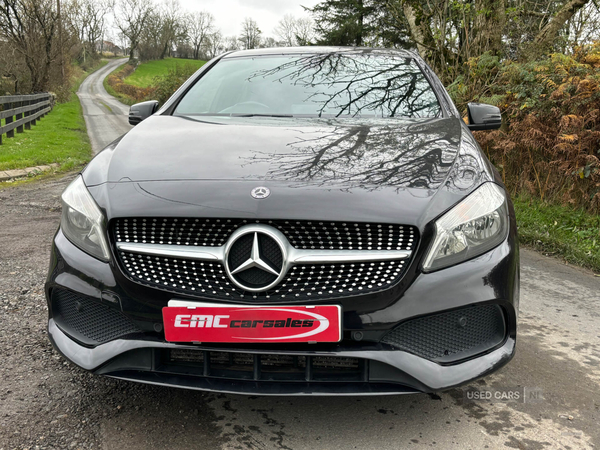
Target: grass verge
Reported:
point(148, 80)
point(146, 72)
point(125, 99)
point(568, 233)
point(60, 137)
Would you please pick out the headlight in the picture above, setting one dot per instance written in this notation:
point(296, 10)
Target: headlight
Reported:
point(82, 221)
point(474, 226)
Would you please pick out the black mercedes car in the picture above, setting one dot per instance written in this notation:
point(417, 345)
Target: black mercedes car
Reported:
point(291, 221)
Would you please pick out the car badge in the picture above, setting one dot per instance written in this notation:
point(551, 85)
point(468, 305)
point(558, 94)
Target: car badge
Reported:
point(260, 192)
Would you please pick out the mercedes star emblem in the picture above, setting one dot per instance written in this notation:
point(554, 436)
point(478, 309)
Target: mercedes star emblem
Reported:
point(256, 257)
point(260, 192)
point(255, 261)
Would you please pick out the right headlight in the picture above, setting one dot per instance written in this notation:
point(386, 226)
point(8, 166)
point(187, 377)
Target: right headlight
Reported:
point(474, 226)
point(82, 221)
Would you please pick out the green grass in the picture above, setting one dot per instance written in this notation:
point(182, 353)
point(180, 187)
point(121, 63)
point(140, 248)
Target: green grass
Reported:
point(145, 72)
point(568, 233)
point(60, 137)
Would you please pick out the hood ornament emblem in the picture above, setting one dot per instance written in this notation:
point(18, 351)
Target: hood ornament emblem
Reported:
point(260, 192)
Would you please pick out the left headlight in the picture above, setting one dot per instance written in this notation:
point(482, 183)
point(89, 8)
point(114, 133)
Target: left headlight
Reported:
point(82, 221)
point(474, 226)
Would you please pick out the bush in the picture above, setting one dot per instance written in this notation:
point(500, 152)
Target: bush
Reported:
point(549, 147)
point(166, 85)
point(137, 94)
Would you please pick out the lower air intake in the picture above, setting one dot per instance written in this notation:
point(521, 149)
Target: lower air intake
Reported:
point(266, 367)
point(87, 320)
point(450, 336)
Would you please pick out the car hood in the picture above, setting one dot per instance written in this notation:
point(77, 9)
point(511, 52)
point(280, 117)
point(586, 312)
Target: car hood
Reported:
point(316, 169)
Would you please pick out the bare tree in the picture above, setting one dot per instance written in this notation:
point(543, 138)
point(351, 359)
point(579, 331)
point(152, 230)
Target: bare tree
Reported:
point(549, 33)
point(88, 19)
point(214, 44)
point(286, 30)
point(199, 25)
point(250, 37)
point(12, 69)
point(131, 17)
point(293, 31)
point(268, 42)
point(31, 27)
point(304, 31)
point(584, 27)
point(150, 39)
point(231, 43)
point(170, 26)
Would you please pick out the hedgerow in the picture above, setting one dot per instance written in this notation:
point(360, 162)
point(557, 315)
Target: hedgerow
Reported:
point(115, 80)
point(550, 144)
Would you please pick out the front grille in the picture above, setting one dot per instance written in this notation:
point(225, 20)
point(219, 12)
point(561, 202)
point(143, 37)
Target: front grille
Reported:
point(302, 234)
point(208, 279)
point(452, 335)
point(87, 320)
point(267, 367)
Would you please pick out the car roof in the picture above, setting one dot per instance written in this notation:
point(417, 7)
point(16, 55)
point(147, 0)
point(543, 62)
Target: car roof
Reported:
point(315, 50)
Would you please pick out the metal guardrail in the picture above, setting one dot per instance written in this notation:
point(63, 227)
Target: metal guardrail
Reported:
point(19, 112)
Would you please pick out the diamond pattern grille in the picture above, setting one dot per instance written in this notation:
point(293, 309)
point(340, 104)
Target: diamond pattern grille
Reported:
point(319, 281)
point(208, 279)
point(302, 234)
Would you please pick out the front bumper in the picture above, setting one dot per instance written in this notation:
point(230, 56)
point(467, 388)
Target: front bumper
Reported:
point(489, 279)
point(389, 372)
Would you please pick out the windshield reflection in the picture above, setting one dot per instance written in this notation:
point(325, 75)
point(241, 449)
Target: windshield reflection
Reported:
point(338, 84)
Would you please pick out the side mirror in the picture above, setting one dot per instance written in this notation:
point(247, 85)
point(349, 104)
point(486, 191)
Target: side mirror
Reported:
point(483, 117)
point(141, 111)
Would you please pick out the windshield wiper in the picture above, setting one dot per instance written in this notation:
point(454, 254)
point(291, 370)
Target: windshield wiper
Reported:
point(260, 115)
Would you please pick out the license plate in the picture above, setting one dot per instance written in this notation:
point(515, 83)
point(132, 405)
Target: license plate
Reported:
point(207, 322)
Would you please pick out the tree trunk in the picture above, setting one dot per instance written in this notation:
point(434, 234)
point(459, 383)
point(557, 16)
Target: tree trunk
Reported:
point(549, 33)
point(416, 29)
point(489, 23)
point(33, 73)
point(361, 22)
point(164, 51)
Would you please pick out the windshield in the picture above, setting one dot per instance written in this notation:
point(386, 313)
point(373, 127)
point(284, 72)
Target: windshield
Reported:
point(317, 85)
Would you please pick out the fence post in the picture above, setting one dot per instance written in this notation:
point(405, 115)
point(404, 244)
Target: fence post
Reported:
point(19, 116)
point(9, 119)
point(27, 114)
point(33, 113)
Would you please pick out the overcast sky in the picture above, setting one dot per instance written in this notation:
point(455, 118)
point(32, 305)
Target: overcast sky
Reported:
point(229, 14)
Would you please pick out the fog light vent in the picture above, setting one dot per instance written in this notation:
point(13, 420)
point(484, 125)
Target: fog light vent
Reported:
point(452, 335)
point(87, 320)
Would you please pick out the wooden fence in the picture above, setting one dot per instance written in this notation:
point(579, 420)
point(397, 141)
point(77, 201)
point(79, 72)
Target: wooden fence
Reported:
point(21, 111)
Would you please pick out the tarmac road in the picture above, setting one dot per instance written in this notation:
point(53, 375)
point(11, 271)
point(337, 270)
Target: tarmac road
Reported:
point(47, 403)
point(105, 116)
